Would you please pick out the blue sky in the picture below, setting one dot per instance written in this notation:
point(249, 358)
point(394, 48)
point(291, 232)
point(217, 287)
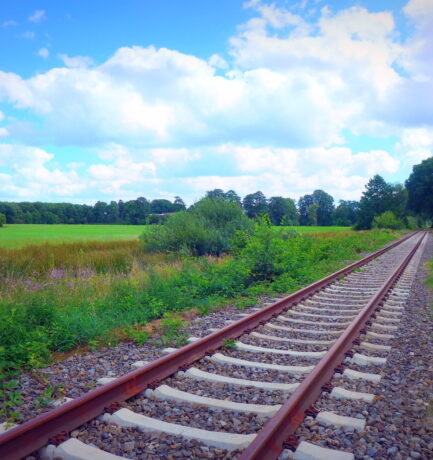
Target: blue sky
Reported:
point(105, 100)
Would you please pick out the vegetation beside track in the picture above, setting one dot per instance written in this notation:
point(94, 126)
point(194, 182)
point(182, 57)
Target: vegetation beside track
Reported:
point(69, 300)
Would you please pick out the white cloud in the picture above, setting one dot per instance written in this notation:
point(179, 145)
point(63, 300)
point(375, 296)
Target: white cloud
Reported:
point(76, 61)
point(415, 145)
point(218, 62)
point(32, 175)
point(253, 160)
point(292, 84)
point(163, 97)
point(124, 173)
point(276, 111)
point(43, 53)
point(119, 170)
point(37, 16)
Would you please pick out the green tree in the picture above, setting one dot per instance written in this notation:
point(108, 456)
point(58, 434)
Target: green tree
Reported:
point(113, 212)
point(232, 197)
point(420, 189)
point(255, 205)
point(325, 207)
point(304, 204)
point(2, 219)
point(345, 213)
point(379, 196)
point(160, 206)
point(282, 211)
point(179, 204)
point(312, 214)
point(323, 212)
point(100, 212)
point(216, 193)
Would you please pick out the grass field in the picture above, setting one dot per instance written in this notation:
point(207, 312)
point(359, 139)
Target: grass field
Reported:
point(20, 235)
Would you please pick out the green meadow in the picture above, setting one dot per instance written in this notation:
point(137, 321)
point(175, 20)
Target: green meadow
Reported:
point(20, 235)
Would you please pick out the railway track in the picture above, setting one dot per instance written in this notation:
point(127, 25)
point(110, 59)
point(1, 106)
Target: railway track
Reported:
point(244, 390)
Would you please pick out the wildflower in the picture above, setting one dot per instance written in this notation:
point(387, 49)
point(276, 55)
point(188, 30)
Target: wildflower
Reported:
point(85, 274)
point(56, 273)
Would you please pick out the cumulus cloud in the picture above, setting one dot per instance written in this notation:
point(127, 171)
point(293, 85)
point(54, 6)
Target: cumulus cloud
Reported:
point(415, 145)
point(277, 108)
point(37, 16)
point(119, 170)
point(32, 174)
point(408, 103)
point(291, 84)
point(165, 97)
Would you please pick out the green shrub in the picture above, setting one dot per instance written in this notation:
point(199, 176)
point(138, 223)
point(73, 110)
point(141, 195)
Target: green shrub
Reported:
point(388, 220)
point(205, 229)
point(411, 223)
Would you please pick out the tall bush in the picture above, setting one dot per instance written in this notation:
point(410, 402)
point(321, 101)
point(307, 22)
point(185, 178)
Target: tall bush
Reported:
point(388, 220)
point(207, 228)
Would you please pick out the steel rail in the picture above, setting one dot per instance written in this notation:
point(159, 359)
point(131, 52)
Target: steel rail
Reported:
point(268, 443)
point(29, 436)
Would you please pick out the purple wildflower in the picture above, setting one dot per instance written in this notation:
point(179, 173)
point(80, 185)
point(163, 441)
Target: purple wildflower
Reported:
point(56, 273)
point(85, 273)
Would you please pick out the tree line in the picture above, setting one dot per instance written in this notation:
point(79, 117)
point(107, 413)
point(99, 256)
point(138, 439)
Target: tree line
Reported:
point(132, 212)
point(381, 205)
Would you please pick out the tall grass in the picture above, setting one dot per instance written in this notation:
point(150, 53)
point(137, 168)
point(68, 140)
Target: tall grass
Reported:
point(43, 260)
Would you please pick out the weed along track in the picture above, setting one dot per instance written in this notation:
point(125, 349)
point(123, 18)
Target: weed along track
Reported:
point(243, 391)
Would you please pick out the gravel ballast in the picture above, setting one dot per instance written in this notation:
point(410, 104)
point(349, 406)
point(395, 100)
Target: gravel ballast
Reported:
point(400, 420)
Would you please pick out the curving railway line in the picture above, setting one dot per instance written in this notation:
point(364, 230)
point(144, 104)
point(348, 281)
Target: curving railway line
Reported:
point(245, 391)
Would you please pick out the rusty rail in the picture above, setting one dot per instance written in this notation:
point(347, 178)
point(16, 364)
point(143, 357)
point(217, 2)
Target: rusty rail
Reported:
point(268, 444)
point(26, 438)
